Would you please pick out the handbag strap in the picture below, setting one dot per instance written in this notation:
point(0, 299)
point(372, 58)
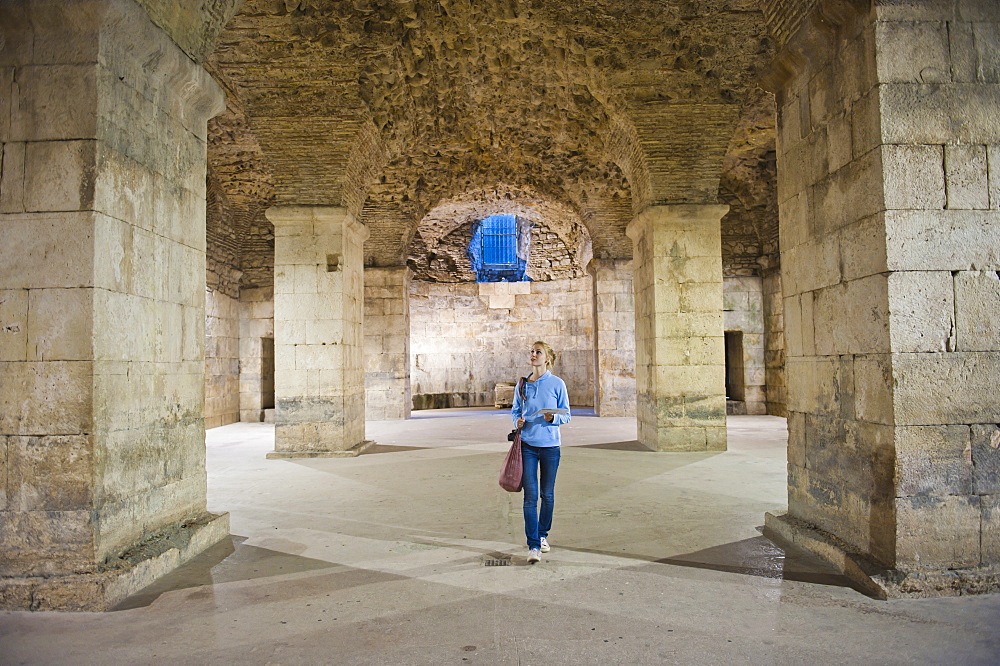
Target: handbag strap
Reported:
point(520, 387)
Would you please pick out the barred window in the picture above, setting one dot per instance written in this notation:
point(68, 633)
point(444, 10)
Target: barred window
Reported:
point(499, 248)
point(500, 242)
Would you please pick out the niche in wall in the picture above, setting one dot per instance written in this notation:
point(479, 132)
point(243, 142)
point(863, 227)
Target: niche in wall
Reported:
point(267, 373)
point(735, 376)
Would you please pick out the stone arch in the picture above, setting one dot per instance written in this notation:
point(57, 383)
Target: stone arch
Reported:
point(462, 211)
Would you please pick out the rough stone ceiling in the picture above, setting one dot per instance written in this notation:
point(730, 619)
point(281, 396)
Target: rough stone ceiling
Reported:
point(390, 108)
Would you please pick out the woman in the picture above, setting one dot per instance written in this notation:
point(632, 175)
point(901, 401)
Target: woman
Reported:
point(540, 444)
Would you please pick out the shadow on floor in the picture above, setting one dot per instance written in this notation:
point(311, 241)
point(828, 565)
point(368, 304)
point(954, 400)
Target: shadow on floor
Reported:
point(757, 556)
point(389, 448)
point(227, 561)
point(633, 445)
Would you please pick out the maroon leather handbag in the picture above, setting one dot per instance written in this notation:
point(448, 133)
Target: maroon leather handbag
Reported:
point(513, 469)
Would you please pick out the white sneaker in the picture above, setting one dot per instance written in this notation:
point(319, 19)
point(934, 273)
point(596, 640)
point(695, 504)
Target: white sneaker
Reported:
point(534, 555)
point(545, 546)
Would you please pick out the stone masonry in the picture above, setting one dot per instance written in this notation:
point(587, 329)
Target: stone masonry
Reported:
point(466, 338)
point(102, 294)
point(256, 353)
point(614, 337)
point(318, 337)
point(387, 343)
point(743, 305)
point(819, 176)
point(887, 149)
point(679, 349)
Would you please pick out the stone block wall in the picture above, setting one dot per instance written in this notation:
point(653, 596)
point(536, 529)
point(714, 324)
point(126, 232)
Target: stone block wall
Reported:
point(319, 341)
point(774, 344)
point(222, 360)
point(614, 324)
point(890, 229)
point(743, 305)
point(102, 284)
point(679, 337)
point(387, 343)
point(466, 338)
point(256, 389)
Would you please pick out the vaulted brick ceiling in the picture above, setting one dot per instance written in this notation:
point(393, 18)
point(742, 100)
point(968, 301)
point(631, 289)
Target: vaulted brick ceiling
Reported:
point(394, 109)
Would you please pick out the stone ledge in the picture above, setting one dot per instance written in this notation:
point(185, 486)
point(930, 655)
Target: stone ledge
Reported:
point(352, 452)
point(876, 581)
point(113, 582)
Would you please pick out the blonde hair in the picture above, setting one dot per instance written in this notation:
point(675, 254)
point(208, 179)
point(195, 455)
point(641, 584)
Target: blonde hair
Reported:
point(550, 354)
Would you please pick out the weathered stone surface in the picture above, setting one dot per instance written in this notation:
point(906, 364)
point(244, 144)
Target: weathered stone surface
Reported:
point(945, 388)
point(388, 392)
point(966, 177)
point(460, 347)
point(977, 302)
point(991, 528)
point(986, 464)
point(922, 308)
point(912, 52)
point(679, 300)
point(942, 240)
point(14, 325)
point(51, 396)
point(430, 143)
point(934, 460)
point(193, 31)
point(319, 376)
point(222, 360)
point(49, 473)
point(102, 416)
point(887, 260)
point(46, 543)
point(36, 114)
point(938, 532)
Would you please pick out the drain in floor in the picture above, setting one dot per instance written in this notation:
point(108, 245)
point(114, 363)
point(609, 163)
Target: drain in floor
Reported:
point(496, 560)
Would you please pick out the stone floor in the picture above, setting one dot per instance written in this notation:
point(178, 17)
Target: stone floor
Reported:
point(396, 557)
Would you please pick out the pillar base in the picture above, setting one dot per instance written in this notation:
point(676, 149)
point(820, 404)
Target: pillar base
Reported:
point(102, 590)
point(874, 580)
point(352, 452)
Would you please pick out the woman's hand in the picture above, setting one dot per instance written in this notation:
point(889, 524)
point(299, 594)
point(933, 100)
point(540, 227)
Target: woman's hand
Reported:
point(548, 417)
point(520, 422)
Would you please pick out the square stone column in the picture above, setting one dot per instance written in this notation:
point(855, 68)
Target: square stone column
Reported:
point(614, 337)
point(679, 341)
point(387, 343)
point(889, 194)
point(102, 304)
point(319, 377)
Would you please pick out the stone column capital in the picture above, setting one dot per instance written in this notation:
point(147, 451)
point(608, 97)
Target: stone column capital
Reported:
point(596, 264)
point(679, 216)
point(295, 215)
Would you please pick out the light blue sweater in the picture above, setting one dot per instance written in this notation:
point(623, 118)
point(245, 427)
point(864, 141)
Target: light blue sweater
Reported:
point(548, 391)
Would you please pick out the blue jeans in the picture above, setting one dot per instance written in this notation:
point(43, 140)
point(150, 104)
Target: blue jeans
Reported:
point(543, 462)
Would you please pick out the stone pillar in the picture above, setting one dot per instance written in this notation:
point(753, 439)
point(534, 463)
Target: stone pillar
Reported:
point(889, 191)
point(102, 304)
point(319, 379)
point(256, 353)
point(743, 306)
point(387, 343)
point(679, 344)
point(614, 337)
point(774, 336)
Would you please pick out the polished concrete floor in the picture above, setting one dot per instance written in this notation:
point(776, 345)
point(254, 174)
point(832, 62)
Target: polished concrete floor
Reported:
point(412, 554)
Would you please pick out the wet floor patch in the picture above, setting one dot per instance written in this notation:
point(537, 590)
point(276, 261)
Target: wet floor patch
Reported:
point(761, 557)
